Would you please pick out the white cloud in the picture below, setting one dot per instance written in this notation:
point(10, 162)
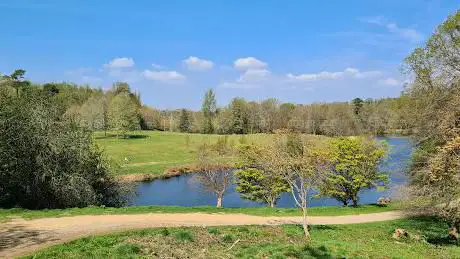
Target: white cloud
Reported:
point(120, 63)
point(326, 75)
point(164, 76)
point(249, 63)
point(407, 33)
point(156, 66)
point(195, 63)
point(390, 81)
point(254, 75)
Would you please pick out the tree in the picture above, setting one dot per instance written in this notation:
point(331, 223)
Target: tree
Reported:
point(185, 123)
point(239, 116)
point(354, 166)
point(209, 111)
point(435, 95)
point(438, 191)
point(257, 185)
point(212, 176)
point(48, 162)
point(17, 80)
point(357, 105)
point(123, 114)
point(94, 113)
point(302, 164)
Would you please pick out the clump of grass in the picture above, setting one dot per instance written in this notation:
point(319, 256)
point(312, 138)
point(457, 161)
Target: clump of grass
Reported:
point(164, 232)
point(243, 229)
point(128, 249)
point(227, 238)
point(184, 236)
point(213, 231)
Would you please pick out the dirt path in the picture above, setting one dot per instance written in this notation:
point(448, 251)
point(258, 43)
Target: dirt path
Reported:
point(21, 237)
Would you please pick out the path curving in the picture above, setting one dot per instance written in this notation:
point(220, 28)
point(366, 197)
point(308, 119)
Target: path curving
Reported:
point(21, 237)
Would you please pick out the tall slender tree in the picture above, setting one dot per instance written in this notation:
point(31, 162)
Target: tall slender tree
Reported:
point(209, 109)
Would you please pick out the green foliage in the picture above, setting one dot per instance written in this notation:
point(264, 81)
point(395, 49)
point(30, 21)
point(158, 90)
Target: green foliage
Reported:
point(209, 111)
point(185, 121)
point(354, 163)
point(123, 114)
point(213, 231)
point(256, 185)
point(48, 162)
point(239, 116)
point(184, 236)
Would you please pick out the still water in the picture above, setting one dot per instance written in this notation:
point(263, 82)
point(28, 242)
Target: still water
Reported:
point(184, 191)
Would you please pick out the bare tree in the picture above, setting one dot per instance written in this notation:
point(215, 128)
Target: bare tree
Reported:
point(213, 177)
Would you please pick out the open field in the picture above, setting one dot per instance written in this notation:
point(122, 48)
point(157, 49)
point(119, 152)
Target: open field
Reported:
point(370, 240)
point(151, 152)
point(5, 214)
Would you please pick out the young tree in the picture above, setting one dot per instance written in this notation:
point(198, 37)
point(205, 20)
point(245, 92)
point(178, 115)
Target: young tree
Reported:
point(209, 111)
point(185, 123)
point(212, 176)
point(354, 164)
point(123, 114)
point(259, 185)
point(302, 164)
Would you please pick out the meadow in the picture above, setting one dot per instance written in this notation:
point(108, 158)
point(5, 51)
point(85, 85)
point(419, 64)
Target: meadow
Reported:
point(152, 152)
point(372, 240)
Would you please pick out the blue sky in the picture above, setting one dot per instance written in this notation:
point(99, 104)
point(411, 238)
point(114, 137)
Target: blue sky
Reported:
point(171, 51)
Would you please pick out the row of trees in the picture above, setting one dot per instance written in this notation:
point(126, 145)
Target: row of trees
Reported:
point(120, 110)
point(337, 167)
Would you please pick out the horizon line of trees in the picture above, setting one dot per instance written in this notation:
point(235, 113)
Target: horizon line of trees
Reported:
point(121, 110)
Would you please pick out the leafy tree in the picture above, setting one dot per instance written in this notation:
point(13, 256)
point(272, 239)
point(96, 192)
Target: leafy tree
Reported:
point(47, 162)
point(123, 114)
point(17, 80)
point(354, 164)
point(209, 111)
point(185, 123)
point(94, 113)
point(304, 169)
point(357, 105)
point(257, 185)
point(239, 116)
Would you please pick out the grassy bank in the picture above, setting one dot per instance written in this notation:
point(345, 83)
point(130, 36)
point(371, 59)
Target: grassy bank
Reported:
point(341, 241)
point(262, 211)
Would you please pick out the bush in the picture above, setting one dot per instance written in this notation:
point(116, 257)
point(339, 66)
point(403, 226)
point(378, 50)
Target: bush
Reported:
point(184, 236)
point(48, 162)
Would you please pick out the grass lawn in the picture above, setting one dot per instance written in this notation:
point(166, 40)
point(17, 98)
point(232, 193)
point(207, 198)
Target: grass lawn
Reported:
point(373, 240)
point(5, 214)
point(151, 152)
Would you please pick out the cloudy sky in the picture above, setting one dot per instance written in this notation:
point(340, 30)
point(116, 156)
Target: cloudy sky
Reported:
point(171, 51)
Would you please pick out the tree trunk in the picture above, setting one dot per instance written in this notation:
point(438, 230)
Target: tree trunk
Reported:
point(345, 203)
point(305, 224)
point(219, 201)
point(453, 233)
point(272, 203)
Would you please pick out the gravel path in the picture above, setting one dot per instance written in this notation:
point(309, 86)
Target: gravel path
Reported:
point(22, 237)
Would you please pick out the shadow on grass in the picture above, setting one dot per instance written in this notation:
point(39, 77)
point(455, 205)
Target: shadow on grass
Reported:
point(433, 229)
point(113, 136)
point(13, 236)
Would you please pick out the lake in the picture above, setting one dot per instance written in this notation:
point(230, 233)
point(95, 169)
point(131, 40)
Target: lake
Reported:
point(184, 191)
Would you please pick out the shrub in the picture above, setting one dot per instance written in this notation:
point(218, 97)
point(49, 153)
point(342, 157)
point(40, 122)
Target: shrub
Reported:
point(184, 236)
point(48, 162)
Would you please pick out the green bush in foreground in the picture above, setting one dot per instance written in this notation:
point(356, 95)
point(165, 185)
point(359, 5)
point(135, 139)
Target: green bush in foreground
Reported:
point(47, 161)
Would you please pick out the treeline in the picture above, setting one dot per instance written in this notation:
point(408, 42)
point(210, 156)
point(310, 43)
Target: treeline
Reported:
point(119, 109)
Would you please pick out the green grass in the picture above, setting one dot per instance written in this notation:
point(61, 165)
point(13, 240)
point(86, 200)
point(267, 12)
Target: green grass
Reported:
point(151, 152)
point(261, 211)
point(372, 240)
